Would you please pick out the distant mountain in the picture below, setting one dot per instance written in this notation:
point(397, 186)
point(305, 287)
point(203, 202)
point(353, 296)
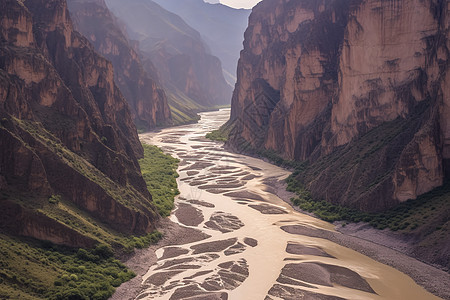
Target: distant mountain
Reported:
point(147, 99)
point(221, 26)
point(177, 51)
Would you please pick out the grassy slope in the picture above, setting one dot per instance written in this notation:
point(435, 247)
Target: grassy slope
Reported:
point(31, 269)
point(183, 108)
point(220, 134)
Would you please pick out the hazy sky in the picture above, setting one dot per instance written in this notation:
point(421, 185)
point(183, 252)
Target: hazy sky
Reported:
point(237, 3)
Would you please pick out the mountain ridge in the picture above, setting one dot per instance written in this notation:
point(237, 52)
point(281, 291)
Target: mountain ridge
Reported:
point(222, 27)
point(183, 61)
point(143, 91)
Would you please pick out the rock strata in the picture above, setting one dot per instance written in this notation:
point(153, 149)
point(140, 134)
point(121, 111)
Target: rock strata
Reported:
point(65, 127)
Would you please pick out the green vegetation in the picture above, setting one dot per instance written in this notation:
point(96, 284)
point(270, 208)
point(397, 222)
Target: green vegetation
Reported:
point(159, 172)
point(184, 110)
point(54, 199)
point(143, 241)
point(31, 269)
point(217, 135)
point(38, 270)
point(408, 216)
point(220, 134)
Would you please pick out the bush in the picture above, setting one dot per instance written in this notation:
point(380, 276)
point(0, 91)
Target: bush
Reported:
point(54, 199)
point(104, 251)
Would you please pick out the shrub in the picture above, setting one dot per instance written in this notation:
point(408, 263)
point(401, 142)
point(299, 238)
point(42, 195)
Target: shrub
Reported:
point(104, 251)
point(54, 199)
point(159, 172)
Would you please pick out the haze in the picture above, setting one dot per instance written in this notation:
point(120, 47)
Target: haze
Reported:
point(236, 3)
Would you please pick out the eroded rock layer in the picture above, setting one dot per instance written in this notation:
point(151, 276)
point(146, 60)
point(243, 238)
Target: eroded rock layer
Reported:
point(65, 128)
point(319, 79)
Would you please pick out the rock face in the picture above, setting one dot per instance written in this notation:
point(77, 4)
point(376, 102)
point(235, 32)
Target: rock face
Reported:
point(178, 52)
point(147, 99)
point(65, 127)
point(319, 79)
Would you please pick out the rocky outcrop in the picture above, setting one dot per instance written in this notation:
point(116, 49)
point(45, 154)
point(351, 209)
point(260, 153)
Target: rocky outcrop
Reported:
point(178, 52)
point(18, 220)
point(65, 127)
point(146, 97)
point(319, 79)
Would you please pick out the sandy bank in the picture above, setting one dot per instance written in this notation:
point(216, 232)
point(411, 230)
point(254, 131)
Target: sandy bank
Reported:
point(141, 260)
point(375, 244)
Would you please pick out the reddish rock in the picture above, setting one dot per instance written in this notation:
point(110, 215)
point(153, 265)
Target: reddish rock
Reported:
point(65, 126)
point(319, 79)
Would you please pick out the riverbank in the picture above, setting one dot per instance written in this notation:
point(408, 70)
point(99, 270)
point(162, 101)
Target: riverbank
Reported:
point(141, 260)
point(432, 279)
point(259, 247)
point(381, 246)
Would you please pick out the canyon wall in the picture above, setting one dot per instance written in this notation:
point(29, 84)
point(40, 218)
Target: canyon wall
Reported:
point(65, 127)
point(143, 91)
point(319, 79)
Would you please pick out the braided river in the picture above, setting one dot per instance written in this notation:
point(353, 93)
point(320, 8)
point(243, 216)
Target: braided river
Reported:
point(255, 245)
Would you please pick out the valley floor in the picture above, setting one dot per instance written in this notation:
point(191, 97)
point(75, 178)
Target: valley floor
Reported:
point(233, 234)
point(380, 245)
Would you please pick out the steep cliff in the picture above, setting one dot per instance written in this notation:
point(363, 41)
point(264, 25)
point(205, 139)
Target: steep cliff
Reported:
point(358, 89)
point(147, 99)
point(178, 52)
point(65, 130)
point(222, 27)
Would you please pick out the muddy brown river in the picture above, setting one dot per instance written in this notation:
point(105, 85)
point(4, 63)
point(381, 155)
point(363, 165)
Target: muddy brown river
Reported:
point(258, 246)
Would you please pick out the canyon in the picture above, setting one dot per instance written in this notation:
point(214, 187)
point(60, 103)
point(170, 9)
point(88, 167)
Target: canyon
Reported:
point(352, 95)
point(221, 26)
point(232, 236)
point(192, 76)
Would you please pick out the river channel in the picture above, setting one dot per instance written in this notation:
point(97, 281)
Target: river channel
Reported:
point(258, 246)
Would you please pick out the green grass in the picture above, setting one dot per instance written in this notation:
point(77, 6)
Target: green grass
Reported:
point(32, 269)
point(159, 172)
point(217, 135)
point(38, 270)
